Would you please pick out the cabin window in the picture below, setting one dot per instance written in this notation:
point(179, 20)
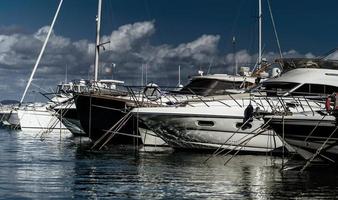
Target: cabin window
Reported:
point(208, 87)
point(331, 89)
point(205, 123)
point(314, 89)
point(302, 90)
point(278, 88)
point(317, 89)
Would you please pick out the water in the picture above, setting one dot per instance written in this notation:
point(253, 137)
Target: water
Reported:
point(54, 169)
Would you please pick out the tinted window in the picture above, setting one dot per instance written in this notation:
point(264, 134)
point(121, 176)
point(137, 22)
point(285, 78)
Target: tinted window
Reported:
point(207, 87)
point(313, 89)
point(277, 88)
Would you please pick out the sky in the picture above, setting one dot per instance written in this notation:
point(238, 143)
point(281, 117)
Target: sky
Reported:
point(157, 34)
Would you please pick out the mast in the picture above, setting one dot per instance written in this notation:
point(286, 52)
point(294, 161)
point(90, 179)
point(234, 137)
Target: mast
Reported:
point(97, 45)
point(259, 33)
point(41, 52)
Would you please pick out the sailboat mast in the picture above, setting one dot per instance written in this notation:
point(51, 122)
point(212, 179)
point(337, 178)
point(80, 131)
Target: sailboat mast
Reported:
point(41, 52)
point(259, 33)
point(97, 45)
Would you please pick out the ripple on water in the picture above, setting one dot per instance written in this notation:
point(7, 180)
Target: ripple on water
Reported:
point(35, 169)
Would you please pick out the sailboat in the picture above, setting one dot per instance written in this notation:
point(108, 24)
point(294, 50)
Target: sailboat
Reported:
point(37, 116)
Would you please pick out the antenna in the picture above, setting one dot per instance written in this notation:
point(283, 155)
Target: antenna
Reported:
point(142, 81)
point(146, 65)
point(179, 75)
point(66, 76)
point(235, 57)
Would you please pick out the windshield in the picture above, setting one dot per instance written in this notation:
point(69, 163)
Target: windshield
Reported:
point(275, 88)
point(207, 87)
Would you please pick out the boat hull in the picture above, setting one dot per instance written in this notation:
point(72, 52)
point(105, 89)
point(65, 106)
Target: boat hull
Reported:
point(296, 132)
point(149, 138)
point(69, 118)
point(97, 114)
point(187, 132)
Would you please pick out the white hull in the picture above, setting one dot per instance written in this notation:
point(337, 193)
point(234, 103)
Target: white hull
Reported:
point(13, 120)
point(149, 138)
point(182, 131)
point(37, 119)
point(217, 124)
point(40, 120)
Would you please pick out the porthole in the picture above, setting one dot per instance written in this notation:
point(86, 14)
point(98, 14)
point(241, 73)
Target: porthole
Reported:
point(205, 123)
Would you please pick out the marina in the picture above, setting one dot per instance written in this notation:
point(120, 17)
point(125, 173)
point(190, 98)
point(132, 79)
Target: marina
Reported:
point(257, 123)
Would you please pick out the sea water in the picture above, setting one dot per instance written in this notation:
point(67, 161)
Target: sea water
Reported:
point(35, 167)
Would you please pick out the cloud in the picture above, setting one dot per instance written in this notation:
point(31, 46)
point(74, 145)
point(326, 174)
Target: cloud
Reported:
point(129, 49)
point(127, 37)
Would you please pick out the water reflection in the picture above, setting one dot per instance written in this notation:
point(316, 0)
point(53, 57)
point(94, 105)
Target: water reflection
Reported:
point(31, 168)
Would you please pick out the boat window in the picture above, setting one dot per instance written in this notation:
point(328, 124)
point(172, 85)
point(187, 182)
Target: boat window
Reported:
point(303, 90)
point(330, 89)
point(314, 89)
point(208, 87)
point(66, 88)
point(277, 88)
point(205, 123)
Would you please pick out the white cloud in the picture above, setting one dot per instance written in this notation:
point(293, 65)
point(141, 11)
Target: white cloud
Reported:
point(127, 36)
point(130, 47)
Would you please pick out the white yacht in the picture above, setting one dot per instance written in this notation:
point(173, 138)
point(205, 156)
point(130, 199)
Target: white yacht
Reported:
point(221, 123)
point(206, 87)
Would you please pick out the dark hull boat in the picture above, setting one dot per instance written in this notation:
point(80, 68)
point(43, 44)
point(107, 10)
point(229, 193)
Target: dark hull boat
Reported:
point(99, 113)
point(314, 137)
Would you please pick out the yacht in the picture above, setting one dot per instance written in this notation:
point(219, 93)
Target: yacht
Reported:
point(99, 112)
point(227, 122)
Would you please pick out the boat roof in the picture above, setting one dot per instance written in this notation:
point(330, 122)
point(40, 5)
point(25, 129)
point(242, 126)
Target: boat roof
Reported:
point(110, 81)
point(226, 77)
point(293, 63)
point(309, 76)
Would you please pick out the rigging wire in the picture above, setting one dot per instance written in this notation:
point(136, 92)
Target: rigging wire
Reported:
point(111, 17)
point(275, 30)
point(234, 24)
